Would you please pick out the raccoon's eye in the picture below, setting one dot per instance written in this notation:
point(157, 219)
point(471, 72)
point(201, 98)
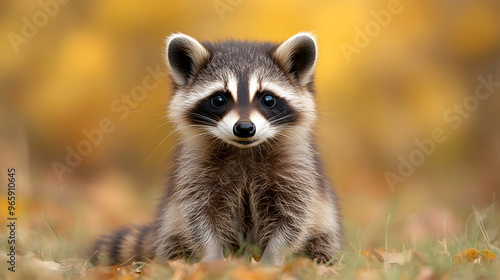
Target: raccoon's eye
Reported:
point(268, 100)
point(218, 100)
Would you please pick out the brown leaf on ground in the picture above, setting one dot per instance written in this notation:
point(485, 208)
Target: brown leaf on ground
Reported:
point(398, 258)
point(468, 255)
point(327, 270)
point(373, 255)
point(111, 272)
point(236, 269)
point(393, 257)
point(246, 273)
point(487, 256)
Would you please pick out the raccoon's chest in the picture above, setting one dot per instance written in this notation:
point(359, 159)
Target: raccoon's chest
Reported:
point(238, 182)
point(242, 181)
point(244, 174)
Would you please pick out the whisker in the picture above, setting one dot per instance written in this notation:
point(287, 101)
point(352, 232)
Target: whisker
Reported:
point(159, 105)
point(186, 140)
point(163, 140)
point(164, 123)
point(211, 121)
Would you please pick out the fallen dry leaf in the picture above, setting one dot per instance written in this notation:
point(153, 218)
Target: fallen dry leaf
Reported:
point(373, 255)
point(49, 264)
point(487, 256)
point(246, 273)
point(111, 272)
point(326, 270)
point(468, 255)
point(398, 258)
point(393, 257)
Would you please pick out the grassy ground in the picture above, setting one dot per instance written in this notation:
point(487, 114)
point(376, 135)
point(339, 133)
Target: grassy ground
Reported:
point(446, 257)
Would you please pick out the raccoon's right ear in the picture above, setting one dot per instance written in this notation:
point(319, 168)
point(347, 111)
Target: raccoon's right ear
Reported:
point(184, 56)
point(297, 56)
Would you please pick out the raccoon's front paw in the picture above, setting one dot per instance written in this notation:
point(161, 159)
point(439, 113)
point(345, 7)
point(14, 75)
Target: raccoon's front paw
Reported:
point(272, 260)
point(213, 256)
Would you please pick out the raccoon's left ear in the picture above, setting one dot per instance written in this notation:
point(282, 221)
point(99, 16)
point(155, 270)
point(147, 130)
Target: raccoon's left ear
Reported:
point(297, 56)
point(185, 56)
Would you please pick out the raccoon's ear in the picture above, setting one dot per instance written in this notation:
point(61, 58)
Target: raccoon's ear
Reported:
point(184, 56)
point(297, 56)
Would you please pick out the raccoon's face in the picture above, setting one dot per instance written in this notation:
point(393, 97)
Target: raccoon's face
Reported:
point(242, 93)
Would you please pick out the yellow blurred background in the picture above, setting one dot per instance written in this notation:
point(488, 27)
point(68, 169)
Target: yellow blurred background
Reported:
point(389, 74)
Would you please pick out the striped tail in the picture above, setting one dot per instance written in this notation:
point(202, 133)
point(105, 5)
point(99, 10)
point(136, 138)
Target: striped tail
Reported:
point(123, 245)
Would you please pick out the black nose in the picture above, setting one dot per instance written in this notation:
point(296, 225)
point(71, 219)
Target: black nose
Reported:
point(244, 129)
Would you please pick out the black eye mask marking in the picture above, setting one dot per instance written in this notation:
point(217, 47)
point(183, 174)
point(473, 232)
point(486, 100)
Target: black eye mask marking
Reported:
point(211, 109)
point(276, 111)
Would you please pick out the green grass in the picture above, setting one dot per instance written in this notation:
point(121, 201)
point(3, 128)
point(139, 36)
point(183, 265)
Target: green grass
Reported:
point(53, 231)
point(433, 256)
point(386, 230)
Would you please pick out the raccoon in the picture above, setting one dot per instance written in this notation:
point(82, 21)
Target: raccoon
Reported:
point(246, 169)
